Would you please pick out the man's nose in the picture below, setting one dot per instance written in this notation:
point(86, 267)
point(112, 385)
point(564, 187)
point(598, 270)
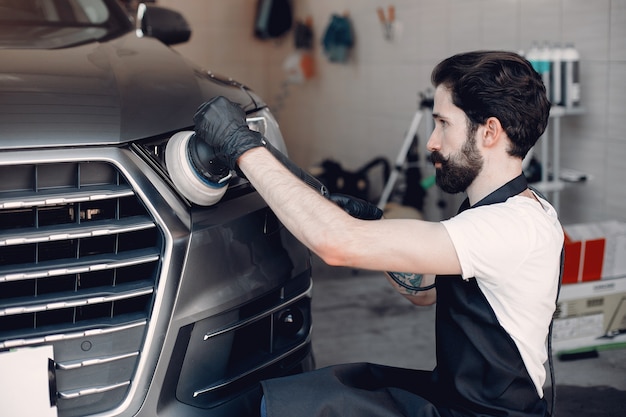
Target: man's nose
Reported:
point(433, 144)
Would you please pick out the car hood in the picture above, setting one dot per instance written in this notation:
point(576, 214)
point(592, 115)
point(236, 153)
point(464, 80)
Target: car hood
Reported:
point(102, 93)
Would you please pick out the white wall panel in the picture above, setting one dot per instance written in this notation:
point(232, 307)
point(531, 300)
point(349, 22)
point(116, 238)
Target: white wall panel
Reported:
point(501, 25)
point(616, 89)
point(540, 20)
point(617, 34)
point(586, 23)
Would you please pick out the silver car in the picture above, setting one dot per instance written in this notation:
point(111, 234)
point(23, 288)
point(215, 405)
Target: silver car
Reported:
point(138, 302)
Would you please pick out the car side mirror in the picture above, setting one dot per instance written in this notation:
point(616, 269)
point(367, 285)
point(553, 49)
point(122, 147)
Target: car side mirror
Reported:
point(168, 26)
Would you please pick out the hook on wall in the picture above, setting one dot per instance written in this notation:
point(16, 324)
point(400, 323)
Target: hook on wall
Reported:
point(388, 21)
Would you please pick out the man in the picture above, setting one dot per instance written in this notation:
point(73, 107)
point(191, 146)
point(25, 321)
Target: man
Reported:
point(497, 262)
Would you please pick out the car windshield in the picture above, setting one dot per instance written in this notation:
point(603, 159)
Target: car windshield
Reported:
point(46, 24)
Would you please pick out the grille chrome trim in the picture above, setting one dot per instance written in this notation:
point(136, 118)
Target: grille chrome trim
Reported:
point(97, 264)
point(56, 198)
point(76, 303)
point(72, 395)
point(91, 362)
point(274, 360)
point(256, 317)
point(15, 343)
point(103, 229)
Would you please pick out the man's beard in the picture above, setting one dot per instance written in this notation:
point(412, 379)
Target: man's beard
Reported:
point(459, 170)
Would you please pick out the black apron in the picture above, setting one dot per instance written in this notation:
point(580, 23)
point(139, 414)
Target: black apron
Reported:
point(479, 371)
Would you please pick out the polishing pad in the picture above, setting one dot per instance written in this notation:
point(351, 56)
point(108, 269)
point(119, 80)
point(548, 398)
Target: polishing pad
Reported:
point(187, 180)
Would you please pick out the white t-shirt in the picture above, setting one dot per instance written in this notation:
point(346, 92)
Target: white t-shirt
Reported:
point(513, 250)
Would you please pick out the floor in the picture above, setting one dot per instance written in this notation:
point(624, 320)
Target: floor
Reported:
point(358, 317)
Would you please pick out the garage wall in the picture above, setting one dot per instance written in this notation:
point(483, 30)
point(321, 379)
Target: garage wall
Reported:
point(356, 111)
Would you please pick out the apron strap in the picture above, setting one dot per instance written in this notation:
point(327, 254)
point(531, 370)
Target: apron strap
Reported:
point(510, 189)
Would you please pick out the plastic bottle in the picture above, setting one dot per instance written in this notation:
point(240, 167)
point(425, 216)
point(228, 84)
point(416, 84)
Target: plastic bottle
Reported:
point(544, 56)
point(571, 77)
point(533, 57)
point(556, 72)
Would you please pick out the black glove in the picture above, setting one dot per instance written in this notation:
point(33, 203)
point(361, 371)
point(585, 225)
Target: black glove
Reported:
point(356, 207)
point(222, 125)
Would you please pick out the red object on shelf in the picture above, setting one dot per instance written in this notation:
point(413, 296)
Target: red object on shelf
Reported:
point(583, 260)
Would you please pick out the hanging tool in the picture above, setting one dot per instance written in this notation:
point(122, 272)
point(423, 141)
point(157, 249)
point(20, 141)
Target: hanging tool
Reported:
point(387, 21)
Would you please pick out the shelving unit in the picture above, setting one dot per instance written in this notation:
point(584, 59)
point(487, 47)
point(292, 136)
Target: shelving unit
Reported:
point(551, 158)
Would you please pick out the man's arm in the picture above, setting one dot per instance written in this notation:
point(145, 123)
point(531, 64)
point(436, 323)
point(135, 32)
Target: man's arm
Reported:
point(340, 240)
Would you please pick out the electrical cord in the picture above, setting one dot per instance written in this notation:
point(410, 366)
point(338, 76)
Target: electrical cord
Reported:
point(394, 276)
point(550, 358)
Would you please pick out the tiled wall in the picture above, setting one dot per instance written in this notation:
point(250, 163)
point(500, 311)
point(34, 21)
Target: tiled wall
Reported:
point(356, 111)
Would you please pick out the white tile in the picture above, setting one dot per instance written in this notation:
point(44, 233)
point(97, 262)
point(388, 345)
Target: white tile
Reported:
point(464, 28)
point(433, 22)
point(409, 39)
point(500, 25)
point(586, 23)
point(540, 20)
point(617, 41)
point(616, 173)
point(617, 100)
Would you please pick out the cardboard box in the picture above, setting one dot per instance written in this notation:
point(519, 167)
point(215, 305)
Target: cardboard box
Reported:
point(594, 251)
point(590, 315)
point(591, 310)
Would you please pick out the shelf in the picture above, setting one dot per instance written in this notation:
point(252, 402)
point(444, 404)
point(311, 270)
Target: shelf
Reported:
point(553, 133)
point(560, 111)
point(548, 186)
point(566, 176)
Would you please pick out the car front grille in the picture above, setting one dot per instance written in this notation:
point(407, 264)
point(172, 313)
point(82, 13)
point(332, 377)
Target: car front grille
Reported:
point(79, 261)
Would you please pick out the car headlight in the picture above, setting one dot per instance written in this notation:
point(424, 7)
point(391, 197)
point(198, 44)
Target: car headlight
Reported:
point(263, 121)
point(176, 166)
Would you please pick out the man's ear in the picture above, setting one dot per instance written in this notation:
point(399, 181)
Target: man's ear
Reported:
point(492, 132)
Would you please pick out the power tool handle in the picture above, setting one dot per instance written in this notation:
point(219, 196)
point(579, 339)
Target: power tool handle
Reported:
point(308, 179)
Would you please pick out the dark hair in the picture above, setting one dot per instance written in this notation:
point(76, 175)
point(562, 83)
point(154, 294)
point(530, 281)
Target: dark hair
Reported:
point(498, 84)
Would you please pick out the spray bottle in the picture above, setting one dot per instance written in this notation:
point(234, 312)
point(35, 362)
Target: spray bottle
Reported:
point(571, 77)
point(556, 72)
point(544, 56)
point(533, 58)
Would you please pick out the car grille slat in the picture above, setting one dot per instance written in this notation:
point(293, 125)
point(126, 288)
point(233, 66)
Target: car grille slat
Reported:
point(68, 336)
point(93, 264)
point(56, 303)
point(76, 231)
point(56, 197)
point(91, 362)
point(80, 257)
point(70, 395)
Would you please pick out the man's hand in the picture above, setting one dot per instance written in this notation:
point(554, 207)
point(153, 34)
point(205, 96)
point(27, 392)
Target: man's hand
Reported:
point(222, 125)
point(356, 207)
